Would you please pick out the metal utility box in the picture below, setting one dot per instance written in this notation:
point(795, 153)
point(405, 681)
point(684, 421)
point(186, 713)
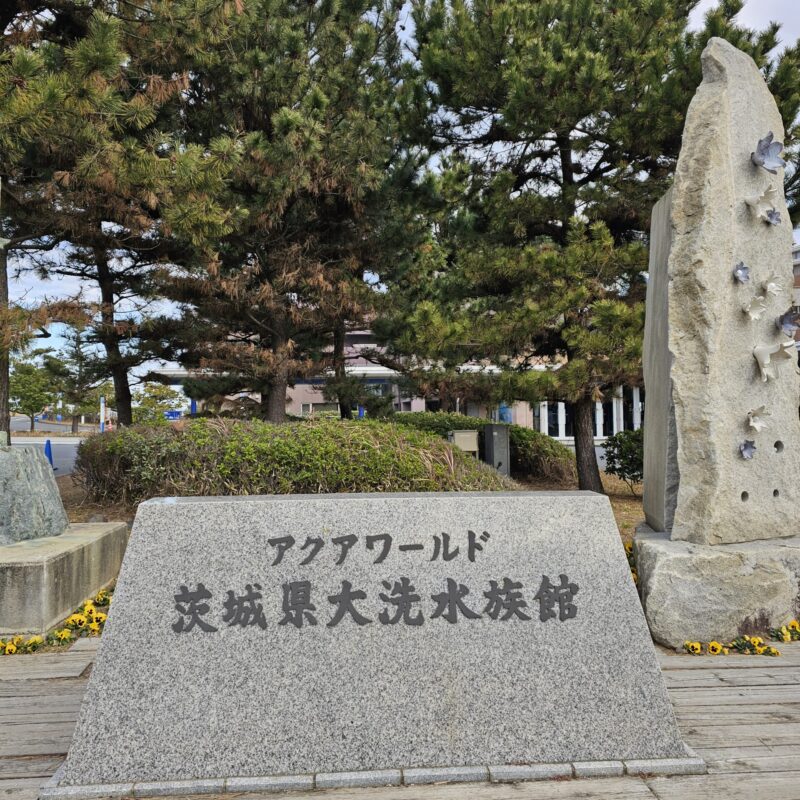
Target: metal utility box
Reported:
point(497, 448)
point(464, 440)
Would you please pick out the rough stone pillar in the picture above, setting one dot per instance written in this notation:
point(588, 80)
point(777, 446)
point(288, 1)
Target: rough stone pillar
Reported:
point(30, 505)
point(722, 434)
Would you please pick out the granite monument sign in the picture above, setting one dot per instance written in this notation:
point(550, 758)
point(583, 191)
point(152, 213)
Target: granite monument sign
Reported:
point(301, 641)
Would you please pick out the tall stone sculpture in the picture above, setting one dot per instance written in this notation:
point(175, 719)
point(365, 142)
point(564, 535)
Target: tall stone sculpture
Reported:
point(722, 434)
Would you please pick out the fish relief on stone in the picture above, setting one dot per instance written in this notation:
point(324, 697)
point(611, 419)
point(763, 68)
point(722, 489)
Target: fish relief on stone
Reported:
point(747, 449)
point(772, 285)
point(763, 206)
point(741, 273)
point(789, 323)
point(768, 154)
point(769, 357)
point(755, 308)
point(756, 418)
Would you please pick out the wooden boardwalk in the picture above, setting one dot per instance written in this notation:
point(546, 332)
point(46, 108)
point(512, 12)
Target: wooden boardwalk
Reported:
point(741, 713)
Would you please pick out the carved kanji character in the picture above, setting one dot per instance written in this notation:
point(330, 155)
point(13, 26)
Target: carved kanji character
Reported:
point(506, 601)
point(450, 602)
point(403, 597)
point(191, 606)
point(344, 605)
point(244, 610)
point(549, 595)
point(297, 605)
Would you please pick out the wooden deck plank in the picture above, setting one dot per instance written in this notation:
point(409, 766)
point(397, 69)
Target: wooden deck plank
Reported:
point(29, 766)
point(694, 679)
point(743, 786)
point(45, 666)
point(20, 788)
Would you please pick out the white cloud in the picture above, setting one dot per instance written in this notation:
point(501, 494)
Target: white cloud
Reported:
point(758, 13)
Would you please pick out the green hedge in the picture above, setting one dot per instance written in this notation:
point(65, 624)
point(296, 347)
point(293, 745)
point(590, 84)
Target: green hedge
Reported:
point(228, 457)
point(533, 455)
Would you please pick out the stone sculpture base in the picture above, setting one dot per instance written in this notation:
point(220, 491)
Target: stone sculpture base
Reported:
point(700, 592)
point(43, 580)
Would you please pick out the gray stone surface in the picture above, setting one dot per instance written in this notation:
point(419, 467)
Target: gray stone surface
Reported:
point(667, 766)
point(703, 592)
point(598, 769)
point(417, 777)
point(162, 705)
point(170, 788)
point(511, 773)
point(276, 783)
point(85, 792)
point(373, 777)
point(722, 497)
point(44, 580)
point(661, 478)
point(30, 505)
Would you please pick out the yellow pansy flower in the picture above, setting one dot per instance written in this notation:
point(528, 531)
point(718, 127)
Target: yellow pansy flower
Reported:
point(714, 648)
point(99, 616)
point(10, 648)
point(64, 635)
point(794, 625)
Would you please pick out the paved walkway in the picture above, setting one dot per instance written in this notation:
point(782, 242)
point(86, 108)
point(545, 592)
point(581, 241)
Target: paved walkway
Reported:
point(741, 713)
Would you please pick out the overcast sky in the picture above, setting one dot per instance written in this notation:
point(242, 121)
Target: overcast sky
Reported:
point(756, 14)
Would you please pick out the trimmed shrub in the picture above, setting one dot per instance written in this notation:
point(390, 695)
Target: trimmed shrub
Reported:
point(625, 456)
point(229, 457)
point(533, 455)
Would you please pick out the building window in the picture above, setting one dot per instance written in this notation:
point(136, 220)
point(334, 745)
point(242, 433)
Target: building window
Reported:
point(552, 419)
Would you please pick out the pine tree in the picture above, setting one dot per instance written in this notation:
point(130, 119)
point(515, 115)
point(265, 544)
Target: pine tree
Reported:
point(312, 92)
point(549, 115)
point(92, 164)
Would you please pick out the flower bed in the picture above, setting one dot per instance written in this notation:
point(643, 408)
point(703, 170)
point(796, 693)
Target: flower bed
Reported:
point(88, 620)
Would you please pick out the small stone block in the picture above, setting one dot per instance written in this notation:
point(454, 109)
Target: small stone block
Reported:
point(273, 783)
point(166, 788)
point(373, 777)
point(509, 773)
point(666, 766)
point(413, 777)
point(598, 769)
point(85, 792)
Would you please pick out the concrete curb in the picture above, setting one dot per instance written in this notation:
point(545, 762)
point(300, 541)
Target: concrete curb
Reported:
point(508, 773)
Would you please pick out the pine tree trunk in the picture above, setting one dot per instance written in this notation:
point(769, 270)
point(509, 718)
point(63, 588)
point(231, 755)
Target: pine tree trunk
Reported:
point(345, 412)
point(585, 456)
point(33, 422)
point(5, 379)
point(110, 338)
point(273, 405)
point(273, 401)
point(75, 421)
